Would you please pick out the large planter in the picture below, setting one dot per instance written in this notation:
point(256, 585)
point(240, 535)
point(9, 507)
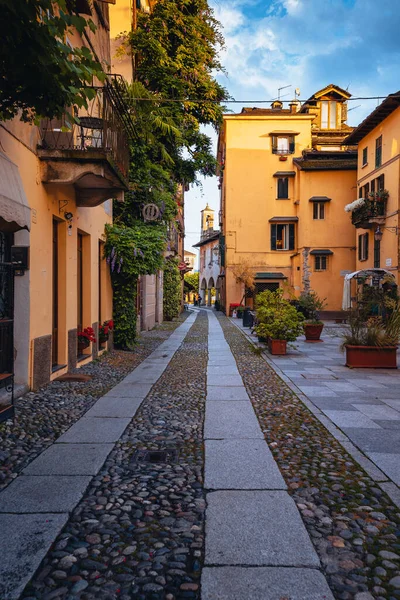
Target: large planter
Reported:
point(313, 331)
point(277, 347)
point(373, 357)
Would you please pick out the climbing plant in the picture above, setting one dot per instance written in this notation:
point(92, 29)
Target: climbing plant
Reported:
point(172, 289)
point(131, 252)
point(40, 73)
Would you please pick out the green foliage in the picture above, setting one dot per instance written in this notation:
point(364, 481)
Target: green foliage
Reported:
point(309, 304)
point(277, 318)
point(176, 54)
point(193, 280)
point(375, 331)
point(130, 252)
point(172, 289)
point(40, 74)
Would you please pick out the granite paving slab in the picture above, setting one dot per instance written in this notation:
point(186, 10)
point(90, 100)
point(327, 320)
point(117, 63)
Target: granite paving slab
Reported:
point(378, 411)
point(222, 370)
point(221, 393)
point(231, 420)
point(374, 440)
point(228, 380)
point(395, 424)
point(263, 583)
point(27, 538)
point(115, 407)
point(320, 390)
point(241, 464)
point(94, 430)
point(70, 459)
point(129, 390)
point(348, 418)
point(256, 528)
point(389, 463)
point(43, 494)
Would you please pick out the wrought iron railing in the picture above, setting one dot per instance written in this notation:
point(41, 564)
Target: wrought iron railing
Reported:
point(369, 210)
point(104, 126)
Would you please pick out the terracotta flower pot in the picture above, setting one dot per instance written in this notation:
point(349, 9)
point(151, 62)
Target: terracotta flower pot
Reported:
point(277, 347)
point(372, 357)
point(313, 331)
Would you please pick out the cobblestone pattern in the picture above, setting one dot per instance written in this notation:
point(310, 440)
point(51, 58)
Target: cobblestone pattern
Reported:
point(353, 524)
point(138, 532)
point(41, 417)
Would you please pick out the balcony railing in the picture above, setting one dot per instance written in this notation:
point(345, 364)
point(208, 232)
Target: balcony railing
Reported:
point(372, 211)
point(101, 128)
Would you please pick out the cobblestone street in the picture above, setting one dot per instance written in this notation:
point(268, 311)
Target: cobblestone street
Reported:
point(200, 475)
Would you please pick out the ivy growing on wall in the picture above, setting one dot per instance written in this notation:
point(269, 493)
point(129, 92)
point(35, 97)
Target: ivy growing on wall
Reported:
point(172, 289)
point(131, 252)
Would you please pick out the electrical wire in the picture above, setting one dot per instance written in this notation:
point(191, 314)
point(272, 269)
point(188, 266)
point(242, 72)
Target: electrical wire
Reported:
point(207, 100)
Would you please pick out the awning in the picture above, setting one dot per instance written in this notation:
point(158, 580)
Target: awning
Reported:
point(284, 220)
point(270, 275)
point(283, 132)
point(285, 174)
point(346, 302)
point(319, 199)
point(15, 213)
point(322, 252)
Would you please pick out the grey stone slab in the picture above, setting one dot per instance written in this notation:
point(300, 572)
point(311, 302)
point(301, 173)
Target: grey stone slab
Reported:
point(392, 402)
point(392, 491)
point(24, 542)
point(378, 411)
point(331, 404)
point(221, 362)
point(219, 393)
point(315, 390)
point(241, 465)
point(94, 430)
point(143, 377)
point(222, 370)
point(375, 440)
point(369, 467)
point(70, 459)
point(129, 390)
point(389, 463)
point(348, 418)
point(115, 407)
point(36, 494)
point(228, 380)
point(395, 424)
point(342, 386)
point(256, 528)
point(263, 583)
point(231, 420)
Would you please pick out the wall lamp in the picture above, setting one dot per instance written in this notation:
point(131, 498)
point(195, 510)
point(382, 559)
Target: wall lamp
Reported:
point(379, 233)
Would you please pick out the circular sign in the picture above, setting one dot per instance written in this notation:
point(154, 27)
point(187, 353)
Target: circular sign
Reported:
point(151, 212)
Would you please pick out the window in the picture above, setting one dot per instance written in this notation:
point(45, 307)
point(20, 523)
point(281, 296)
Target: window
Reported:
point(365, 156)
point(318, 210)
point(378, 152)
point(377, 254)
point(282, 236)
point(283, 188)
point(363, 246)
point(380, 183)
point(283, 144)
point(321, 262)
point(328, 114)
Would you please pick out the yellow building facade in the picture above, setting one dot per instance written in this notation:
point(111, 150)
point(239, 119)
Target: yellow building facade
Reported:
point(377, 220)
point(64, 179)
point(285, 177)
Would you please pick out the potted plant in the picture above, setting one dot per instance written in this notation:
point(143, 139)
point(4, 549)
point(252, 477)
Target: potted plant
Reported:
point(85, 337)
point(277, 320)
point(104, 331)
point(309, 304)
point(233, 307)
point(372, 342)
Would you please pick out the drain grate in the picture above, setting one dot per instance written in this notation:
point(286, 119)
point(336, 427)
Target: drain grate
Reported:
point(168, 455)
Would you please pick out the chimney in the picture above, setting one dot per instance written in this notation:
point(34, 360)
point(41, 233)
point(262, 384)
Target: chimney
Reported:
point(277, 105)
point(294, 106)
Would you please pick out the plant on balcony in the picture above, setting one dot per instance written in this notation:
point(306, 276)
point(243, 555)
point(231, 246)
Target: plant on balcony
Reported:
point(104, 331)
point(52, 75)
point(277, 320)
point(379, 196)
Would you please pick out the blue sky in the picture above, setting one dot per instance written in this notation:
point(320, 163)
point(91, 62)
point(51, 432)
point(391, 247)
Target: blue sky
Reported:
point(306, 44)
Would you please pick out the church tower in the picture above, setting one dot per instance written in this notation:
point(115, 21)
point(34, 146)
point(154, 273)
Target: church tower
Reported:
point(207, 221)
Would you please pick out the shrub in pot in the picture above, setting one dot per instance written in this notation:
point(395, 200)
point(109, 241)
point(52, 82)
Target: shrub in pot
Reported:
point(372, 343)
point(277, 320)
point(309, 304)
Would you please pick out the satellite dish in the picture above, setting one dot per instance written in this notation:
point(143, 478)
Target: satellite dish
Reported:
point(297, 91)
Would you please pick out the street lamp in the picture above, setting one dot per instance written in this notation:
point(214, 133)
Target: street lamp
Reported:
point(379, 233)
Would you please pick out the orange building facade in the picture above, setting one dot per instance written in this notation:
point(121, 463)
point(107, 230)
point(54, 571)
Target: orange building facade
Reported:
point(286, 176)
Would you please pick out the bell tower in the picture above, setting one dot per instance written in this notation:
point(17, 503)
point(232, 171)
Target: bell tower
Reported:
point(207, 220)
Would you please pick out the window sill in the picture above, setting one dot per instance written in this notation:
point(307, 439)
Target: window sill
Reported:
point(282, 198)
point(56, 368)
point(364, 165)
point(82, 357)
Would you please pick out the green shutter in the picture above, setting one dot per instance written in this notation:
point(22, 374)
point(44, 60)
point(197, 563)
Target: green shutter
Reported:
point(291, 236)
point(222, 249)
point(273, 237)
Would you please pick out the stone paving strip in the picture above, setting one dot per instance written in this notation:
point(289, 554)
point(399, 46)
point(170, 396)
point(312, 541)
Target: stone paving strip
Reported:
point(42, 416)
point(256, 545)
point(353, 524)
point(36, 505)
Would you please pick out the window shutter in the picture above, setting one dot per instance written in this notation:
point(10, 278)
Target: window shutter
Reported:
point(222, 250)
point(273, 237)
point(291, 236)
point(366, 245)
point(359, 246)
point(291, 145)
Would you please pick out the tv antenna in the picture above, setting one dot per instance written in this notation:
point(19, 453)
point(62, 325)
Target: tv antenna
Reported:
point(353, 107)
point(282, 88)
point(297, 93)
